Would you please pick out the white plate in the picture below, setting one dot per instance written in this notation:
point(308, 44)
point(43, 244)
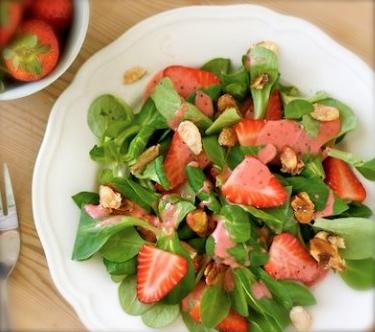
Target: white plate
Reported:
point(309, 59)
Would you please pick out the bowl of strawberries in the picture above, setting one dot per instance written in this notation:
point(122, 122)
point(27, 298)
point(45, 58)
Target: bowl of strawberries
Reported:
point(39, 40)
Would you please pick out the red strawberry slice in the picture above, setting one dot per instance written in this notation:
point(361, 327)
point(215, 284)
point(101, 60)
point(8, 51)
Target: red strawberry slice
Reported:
point(187, 80)
point(232, 323)
point(290, 260)
point(158, 272)
point(204, 102)
point(342, 180)
point(247, 108)
point(251, 183)
point(274, 108)
point(247, 131)
point(178, 156)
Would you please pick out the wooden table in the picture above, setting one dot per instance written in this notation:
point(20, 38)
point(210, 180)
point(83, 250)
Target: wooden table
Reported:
point(35, 303)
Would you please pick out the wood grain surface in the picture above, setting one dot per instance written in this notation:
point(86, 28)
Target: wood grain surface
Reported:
point(35, 303)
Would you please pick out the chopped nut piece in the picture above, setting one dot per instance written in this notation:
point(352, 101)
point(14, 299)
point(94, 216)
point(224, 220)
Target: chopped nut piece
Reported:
point(260, 81)
point(228, 137)
point(146, 157)
point(226, 101)
point(269, 45)
point(229, 283)
point(324, 113)
point(300, 318)
point(109, 198)
point(198, 222)
point(303, 207)
point(290, 163)
point(134, 74)
point(324, 248)
point(214, 273)
point(190, 134)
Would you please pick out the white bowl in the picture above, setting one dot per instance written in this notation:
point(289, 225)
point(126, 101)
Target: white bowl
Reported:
point(72, 47)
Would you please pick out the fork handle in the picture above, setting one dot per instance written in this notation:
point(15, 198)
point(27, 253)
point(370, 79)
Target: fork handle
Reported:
point(4, 315)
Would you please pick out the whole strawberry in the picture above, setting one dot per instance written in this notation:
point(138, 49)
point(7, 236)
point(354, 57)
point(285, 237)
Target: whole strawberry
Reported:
point(10, 17)
point(33, 53)
point(57, 13)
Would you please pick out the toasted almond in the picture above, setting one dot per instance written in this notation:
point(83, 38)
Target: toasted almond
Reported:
point(134, 74)
point(260, 81)
point(269, 45)
point(303, 207)
point(226, 101)
point(326, 253)
point(190, 134)
point(324, 113)
point(228, 137)
point(146, 157)
point(290, 162)
point(197, 220)
point(300, 318)
point(109, 198)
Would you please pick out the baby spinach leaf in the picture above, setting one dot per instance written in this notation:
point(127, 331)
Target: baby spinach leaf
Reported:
point(310, 125)
point(92, 235)
point(117, 278)
point(236, 83)
point(261, 323)
point(218, 66)
point(161, 315)
point(226, 119)
point(215, 305)
point(315, 187)
point(139, 143)
point(160, 172)
point(213, 91)
point(236, 222)
point(198, 244)
point(194, 326)
point(297, 108)
point(368, 169)
point(357, 210)
point(240, 253)
point(348, 119)
point(263, 61)
point(193, 114)
point(166, 99)
point(146, 198)
point(122, 246)
point(358, 234)
point(313, 167)
point(237, 154)
point(258, 256)
point(215, 152)
point(238, 300)
point(105, 176)
point(85, 197)
point(210, 246)
point(149, 116)
point(359, 274)
point(123, 268)
point(106, 110)
point(299, 293)
point(128, 297)
point(345, 156)
point(291, 93)
point(173, 209)
point(339, 206)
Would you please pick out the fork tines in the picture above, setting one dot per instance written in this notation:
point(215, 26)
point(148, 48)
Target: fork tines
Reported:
point(9, 220)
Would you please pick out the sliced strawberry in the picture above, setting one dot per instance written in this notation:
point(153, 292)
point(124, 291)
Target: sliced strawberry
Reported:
point(202, 159)
point(247, 108)
point(178, 156)
point(158, 272)
point(251, 183)
point(204, 102)
point(187, 80)
point(247, 131)
point(290, 260)
point(275, 106)
point(234, 322)
point(342, 180)
point(10, 17)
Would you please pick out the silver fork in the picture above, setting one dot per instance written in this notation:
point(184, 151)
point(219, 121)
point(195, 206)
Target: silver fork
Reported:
point(9, 246)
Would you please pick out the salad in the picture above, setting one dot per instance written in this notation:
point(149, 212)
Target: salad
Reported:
point(225, 198)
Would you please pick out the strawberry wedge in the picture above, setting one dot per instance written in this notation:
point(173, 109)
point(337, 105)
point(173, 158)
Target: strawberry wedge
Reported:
point(251, 183)
point(158, 272)
point(290, 260)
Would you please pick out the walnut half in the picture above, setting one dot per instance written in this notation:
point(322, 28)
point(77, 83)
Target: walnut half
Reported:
point(260, 81)
point(228, 137)
point(290, 162)
point(324, 248)
point(303, 207)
